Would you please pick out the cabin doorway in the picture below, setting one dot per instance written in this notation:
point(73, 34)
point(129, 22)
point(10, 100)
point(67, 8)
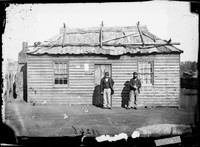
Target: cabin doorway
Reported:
point(100, 70)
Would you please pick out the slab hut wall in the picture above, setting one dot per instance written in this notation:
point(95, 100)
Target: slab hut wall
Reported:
point(164, 92)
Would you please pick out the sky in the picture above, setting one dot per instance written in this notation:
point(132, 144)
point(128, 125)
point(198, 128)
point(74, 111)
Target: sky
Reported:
point(39, 22)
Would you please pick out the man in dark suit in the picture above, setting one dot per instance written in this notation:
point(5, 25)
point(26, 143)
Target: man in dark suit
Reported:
point(107, 90)
point(135, 85)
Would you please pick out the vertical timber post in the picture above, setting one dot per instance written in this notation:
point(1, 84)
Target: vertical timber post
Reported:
point(138, 27)
point(63, 41)
point(101, 34)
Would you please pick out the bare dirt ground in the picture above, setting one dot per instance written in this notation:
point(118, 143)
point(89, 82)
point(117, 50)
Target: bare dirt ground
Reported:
point(65, 120)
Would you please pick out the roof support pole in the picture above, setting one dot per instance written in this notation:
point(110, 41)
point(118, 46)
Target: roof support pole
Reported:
point(140, 33)
point(132, 34)
point(63, 41)
point(101, 34)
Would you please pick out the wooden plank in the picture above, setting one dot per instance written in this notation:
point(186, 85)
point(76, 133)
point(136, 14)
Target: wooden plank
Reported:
point(63, 91)
point(151, 100)
point(151, 95)
point(166, 70)
point(81, 78)
point(122, 74)
point(66, 98)
point(93, 56)
point(146, 101)
point(38, 62)
point(155, 57)
point(40, 80)
point(126, 75)
point(54, 101)
point(69, 99)
point(96, 58)
point(169, 75)
point(120, 88)
point(67, 58)
point(175, 104)
point(80, 70)
point(40, 73)
point(41, 70)
point(81, 87)
point(166, 66)
point(166, 78)
point(39, 77)
point(75, 67)
point(40, 67)
point(165, 82)
point(84, 84)
point(167, 85)
point(62, 102)
point(125, 69)
point(50, 87)
point(157, 84)
point(60, 97)
point(101, 34)
point(141, 37)
point(132, 34)
point(63, 95)
point(33, 66)
point(156, 64)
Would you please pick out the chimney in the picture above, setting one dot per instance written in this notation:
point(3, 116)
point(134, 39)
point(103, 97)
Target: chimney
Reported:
point(24, 45)
point(63, 29)
point(22, 54)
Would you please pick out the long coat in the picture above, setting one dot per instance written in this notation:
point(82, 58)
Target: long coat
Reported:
point(136, 82)
point(111, 82)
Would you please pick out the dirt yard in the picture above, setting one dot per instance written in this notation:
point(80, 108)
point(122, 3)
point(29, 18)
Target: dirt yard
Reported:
point(64, 120)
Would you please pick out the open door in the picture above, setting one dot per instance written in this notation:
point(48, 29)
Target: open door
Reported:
point(100, 70)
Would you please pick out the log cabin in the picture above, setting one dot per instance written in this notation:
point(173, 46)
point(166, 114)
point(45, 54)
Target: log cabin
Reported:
point(67, 68)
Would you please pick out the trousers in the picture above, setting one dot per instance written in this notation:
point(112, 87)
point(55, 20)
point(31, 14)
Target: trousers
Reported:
point(133, 97)
point(107, 97)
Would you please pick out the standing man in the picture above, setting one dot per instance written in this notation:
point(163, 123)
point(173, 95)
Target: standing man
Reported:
point(135, 85)
point(107, 90)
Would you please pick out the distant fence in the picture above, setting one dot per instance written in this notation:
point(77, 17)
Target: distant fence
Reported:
point(189, 83)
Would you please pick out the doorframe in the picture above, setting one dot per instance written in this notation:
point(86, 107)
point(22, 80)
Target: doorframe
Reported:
point(101, 63)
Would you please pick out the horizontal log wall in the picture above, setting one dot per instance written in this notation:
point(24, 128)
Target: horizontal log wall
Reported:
point(164, 92)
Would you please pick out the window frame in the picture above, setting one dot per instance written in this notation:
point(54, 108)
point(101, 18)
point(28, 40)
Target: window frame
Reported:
point(53, 64)
point(153, 71)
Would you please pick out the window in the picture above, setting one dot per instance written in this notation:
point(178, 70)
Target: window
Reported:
point(61, 73)
point(145, 72)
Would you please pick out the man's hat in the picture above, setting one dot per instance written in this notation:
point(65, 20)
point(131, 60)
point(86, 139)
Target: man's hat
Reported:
point(106, 73)
point(135, 73)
